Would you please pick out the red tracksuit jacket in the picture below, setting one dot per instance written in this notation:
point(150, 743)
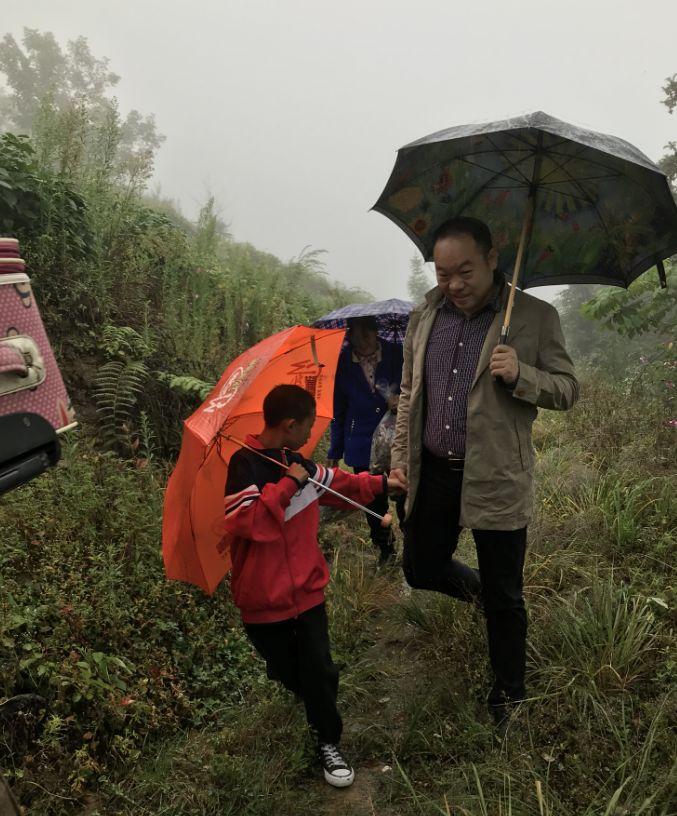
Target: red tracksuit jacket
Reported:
point(278, 569)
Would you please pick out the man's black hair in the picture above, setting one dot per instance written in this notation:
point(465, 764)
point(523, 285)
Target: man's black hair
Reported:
point(287, 402)
point(465, 225)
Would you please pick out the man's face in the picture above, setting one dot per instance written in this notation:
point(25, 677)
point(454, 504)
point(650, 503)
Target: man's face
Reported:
point(363, 339)
point(298, 431)
point(464, 273)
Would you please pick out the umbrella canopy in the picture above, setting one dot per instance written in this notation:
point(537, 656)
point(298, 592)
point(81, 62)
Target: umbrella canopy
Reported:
point(195, 546)
point(593, 208)
point(391, 315)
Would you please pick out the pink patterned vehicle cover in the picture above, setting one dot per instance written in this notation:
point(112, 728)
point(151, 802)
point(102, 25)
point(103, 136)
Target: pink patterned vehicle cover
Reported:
point(30, 380)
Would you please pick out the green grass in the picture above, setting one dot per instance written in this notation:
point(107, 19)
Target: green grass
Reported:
point(89, 622)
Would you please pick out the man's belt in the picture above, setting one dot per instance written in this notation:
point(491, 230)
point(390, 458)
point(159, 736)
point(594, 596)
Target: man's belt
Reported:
point(453, 461)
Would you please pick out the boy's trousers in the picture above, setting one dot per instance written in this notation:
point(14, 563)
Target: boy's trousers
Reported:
point(297, 654)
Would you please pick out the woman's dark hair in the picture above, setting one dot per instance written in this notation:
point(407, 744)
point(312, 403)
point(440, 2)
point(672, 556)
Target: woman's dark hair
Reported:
point(368, 322)
point(287, 402)
point(465, 225)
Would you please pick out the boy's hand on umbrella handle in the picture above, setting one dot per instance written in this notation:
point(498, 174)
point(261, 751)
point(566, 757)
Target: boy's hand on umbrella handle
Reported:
point(397, 480)
point(505, 364)
point(332, 463)
point(298, 472)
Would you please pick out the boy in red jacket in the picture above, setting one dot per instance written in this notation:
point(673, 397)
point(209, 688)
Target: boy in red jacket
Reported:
point(279, 572)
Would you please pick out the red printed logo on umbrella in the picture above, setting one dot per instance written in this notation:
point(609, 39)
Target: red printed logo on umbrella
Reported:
point(230, 388)
point(305, 374)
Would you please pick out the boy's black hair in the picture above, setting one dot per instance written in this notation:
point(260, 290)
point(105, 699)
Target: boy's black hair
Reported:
point(287, 402)
point(465, 225)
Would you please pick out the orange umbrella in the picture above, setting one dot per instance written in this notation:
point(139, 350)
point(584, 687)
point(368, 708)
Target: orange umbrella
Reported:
point(195, 545)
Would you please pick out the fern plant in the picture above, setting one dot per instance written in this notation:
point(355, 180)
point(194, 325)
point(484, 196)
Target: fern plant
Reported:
point(117, 388)
point(124, 342)
point(190, 386)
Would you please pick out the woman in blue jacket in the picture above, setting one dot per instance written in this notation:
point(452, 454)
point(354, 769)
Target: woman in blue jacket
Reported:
point(367, 383)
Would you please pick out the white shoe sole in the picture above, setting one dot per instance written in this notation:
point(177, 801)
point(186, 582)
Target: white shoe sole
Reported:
point(340, 781)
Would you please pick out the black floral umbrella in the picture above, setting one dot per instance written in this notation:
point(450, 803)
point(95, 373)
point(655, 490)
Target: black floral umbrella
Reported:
point(565, 205)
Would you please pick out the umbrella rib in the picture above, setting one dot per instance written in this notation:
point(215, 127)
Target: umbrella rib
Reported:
point(551, 151)
point(586, 195)
point(463, 158)
point(620, 174)
point(557, 144)
point(192, 530)
point(569, 158)
point(573, 196)
point(496, 173)
point(594, 206)
point(496, 149)
point(584, 178)
point(512, 164)
point(593, 160)
point(596, 162)
point(484, 187)
point(513, 135)
point(530, 147)
point(502, 187)
point(561, 167)
point(476, 195)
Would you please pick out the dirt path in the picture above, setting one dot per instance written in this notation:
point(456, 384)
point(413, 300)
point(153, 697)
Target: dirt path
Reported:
point(373, 725)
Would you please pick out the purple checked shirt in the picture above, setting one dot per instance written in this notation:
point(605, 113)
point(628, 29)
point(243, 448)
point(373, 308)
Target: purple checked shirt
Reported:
point(451, 359)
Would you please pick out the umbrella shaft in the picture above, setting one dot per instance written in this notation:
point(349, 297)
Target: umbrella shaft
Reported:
point(524, 237)
point(310, 479)
point(346, 499)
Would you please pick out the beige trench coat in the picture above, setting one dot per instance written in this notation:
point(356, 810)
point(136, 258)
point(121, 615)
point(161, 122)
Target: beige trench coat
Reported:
point(497, 491)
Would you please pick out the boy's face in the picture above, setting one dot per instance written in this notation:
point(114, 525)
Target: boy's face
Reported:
point(298, 431)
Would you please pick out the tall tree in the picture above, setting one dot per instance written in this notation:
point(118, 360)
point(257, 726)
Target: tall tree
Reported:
point(669, 162)
point(582, 335)
point(50, 88)
point(419, 281)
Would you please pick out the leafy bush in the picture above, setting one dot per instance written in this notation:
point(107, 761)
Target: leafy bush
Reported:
point(89, 623)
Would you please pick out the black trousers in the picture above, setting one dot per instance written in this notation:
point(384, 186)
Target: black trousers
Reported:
point(430, 540)
point(297, 654)
point(381, 536)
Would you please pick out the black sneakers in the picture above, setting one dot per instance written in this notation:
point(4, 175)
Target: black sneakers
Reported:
point(337, 770)
point(387, 557)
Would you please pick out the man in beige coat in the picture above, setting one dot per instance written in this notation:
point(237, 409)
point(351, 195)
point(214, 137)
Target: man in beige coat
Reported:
point(463, 443)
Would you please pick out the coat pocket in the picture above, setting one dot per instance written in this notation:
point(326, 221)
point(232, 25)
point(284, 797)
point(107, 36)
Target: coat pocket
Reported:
point(526, 450)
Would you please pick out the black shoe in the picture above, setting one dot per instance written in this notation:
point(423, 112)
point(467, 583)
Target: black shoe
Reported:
point(501, 714)
point(387, 557)
point(337, 770)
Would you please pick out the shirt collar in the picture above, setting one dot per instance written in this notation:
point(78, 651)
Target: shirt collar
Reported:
point(377, 355)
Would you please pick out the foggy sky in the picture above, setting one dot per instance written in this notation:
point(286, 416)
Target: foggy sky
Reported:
point(290, 111)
